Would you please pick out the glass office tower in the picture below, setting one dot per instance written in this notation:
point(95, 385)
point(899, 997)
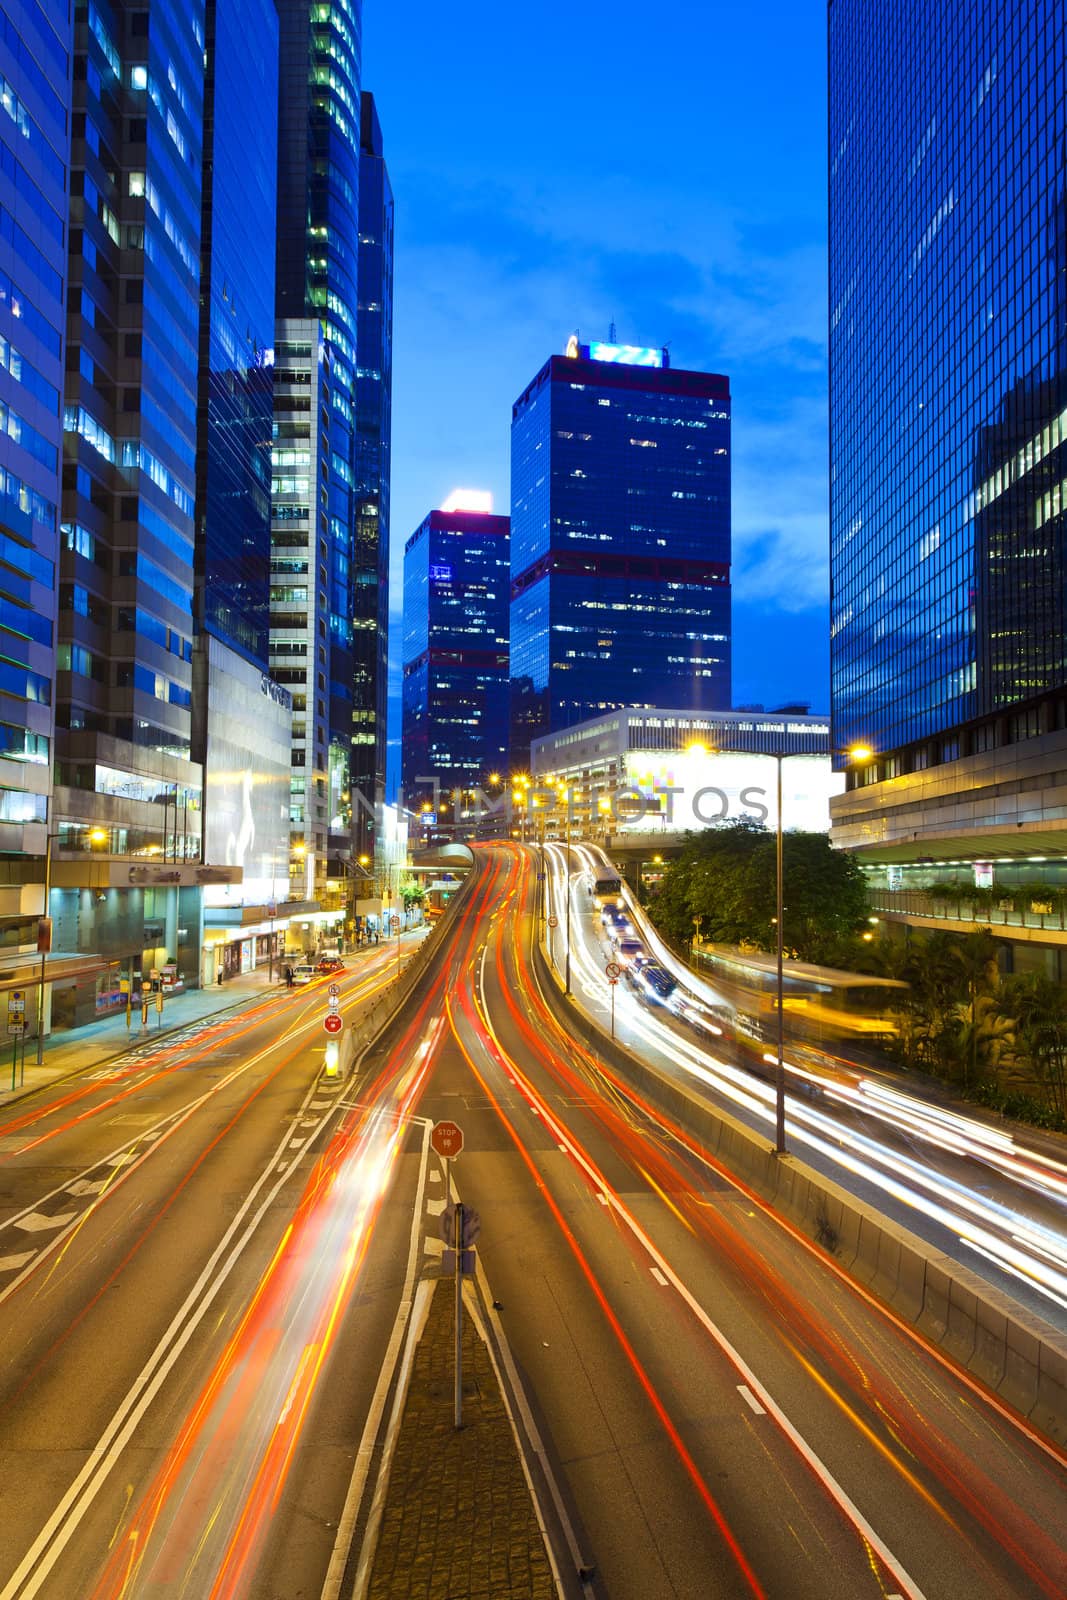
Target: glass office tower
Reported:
point(620, 540)
point(948, 432)
point(237, 324)
point(35, 68)
point(317, 276)
point(455, 696)
point(300, 554)
point(127, 785)
point(374, 384)
point(948, 321)
point(241, 722)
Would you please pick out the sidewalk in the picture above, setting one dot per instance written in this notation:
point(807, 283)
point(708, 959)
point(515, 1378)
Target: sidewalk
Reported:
point(75, 1050)
point(80, 1048)
point(458, 1521)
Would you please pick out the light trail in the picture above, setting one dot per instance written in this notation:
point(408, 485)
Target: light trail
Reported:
point(201, 1524)
point(1023, 1248)
point(1007, 1525)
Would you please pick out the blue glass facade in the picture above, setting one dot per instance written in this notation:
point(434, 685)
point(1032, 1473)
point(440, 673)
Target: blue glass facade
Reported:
point(126, 612)
point(620, 543)
point(948, 379)
point(237, 323)
point(35, 68)
point(455, 694)
point(374, 384)
point(317, 275)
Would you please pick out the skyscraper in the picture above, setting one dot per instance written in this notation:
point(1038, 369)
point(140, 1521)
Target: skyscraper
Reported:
point(241, 721)
point(948, 416)
point(620, 539)
point(374, 385)
point(127, 785)
point(300, 554)
point(320, 261)
point(455, 697)
point(35, 72)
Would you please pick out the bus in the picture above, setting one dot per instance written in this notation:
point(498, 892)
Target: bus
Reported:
point(607, 891)
point(821, 1006)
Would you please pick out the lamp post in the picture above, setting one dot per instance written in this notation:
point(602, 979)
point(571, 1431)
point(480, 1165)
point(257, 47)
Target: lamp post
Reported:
point(858, 752)
point(567, 963)
point(44, 943)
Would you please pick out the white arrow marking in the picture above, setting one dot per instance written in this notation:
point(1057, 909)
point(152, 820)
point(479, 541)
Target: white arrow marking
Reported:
point(36, 1222)
point(12, 1263)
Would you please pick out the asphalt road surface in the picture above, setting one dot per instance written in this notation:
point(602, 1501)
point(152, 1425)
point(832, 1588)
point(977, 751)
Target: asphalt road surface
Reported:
point(202, 1254)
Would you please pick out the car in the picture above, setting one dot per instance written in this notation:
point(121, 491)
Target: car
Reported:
point(303, 973)
point(329, 964)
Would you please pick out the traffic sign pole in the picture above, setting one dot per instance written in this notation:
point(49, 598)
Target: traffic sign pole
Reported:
point(458, 1406)
point(613, 984)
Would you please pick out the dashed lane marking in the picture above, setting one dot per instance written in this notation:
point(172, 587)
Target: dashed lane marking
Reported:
point(658, 1275)
point(750, 1400)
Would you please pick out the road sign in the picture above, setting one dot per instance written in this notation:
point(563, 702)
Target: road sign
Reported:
point(16, 1011)
point(333, 1022)
point(613, 970)
point(334, 1002)
point(470, 1226)
point(447, 1139)
point(333, 991)
point(613, 981)
point(553, 922)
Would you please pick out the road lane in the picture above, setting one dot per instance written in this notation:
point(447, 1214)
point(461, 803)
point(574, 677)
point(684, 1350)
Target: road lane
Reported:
point(854, 1431)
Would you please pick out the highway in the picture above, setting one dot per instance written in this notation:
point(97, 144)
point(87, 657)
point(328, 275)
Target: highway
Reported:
point(204, 1249)
point(990, 1198)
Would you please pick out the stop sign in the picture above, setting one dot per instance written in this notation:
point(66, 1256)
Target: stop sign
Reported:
point(447, 1139)
point(333, 1022)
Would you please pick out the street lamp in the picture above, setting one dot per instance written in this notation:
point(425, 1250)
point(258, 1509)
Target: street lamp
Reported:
point(856, 753)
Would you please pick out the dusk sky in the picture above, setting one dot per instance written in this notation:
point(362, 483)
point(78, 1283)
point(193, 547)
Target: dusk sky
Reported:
point(563, 166)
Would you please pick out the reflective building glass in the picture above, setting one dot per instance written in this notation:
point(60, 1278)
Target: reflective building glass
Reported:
point(317, 275)
point(237, 323)
point(374, 383)
point(620, 541)
point(455, 691)
point(35, 68)
point(948, 385)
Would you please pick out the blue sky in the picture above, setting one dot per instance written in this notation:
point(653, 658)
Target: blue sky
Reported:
point(560, 166)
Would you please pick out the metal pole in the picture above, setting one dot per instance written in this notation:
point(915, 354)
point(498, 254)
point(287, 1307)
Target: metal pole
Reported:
point(613, 1010)
point(567, 977)
point(270, 946)
point(779, 1076)
point(44, 953)
point(458, 1405)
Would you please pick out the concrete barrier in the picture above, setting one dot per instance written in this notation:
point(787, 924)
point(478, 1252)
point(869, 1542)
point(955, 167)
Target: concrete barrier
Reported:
point(376, 1017)
point(1017, 1355)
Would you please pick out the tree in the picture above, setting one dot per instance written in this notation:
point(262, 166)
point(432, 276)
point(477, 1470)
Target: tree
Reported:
point(1038, 1009)
point(726, 877)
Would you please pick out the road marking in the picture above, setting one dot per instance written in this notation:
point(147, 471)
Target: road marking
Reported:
point(34, 1568)
point(37, 1222)
point(833, 1487)
point(602, 1198)
point(12, 1263)
point(432, 1246)
point(657, 1274)
point(435, 1207)
point(82, 1186)
point(346, 1527)
point(121, 1160)
point(750, 1399)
